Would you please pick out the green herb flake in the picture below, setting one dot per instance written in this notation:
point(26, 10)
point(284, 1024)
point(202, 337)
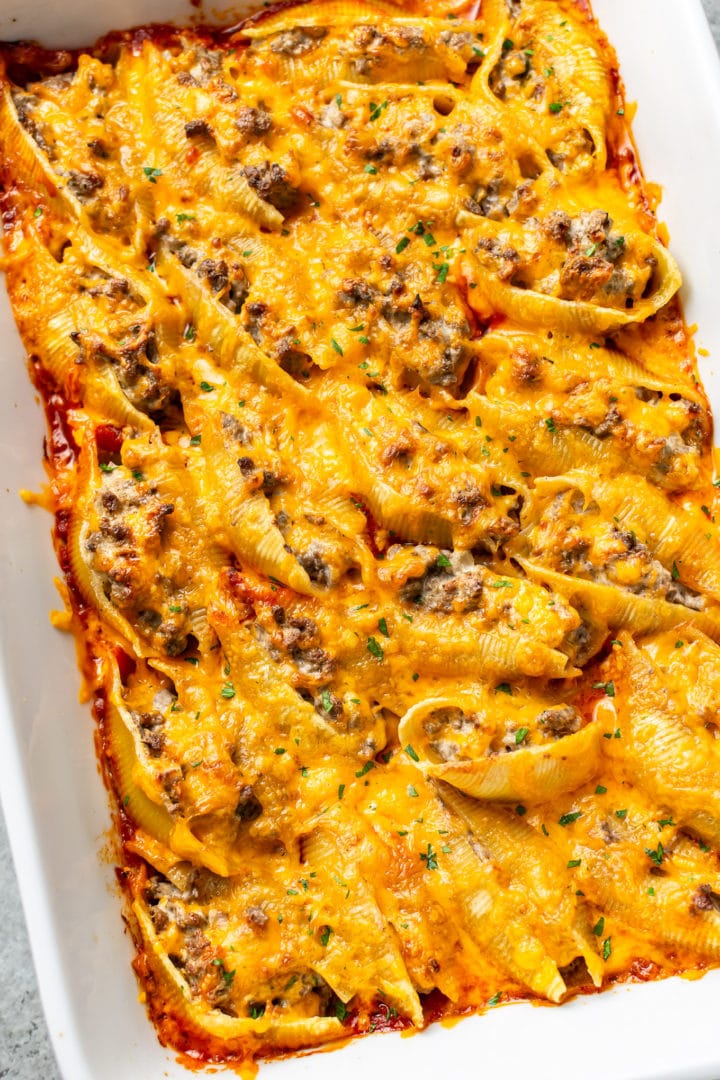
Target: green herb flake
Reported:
point(228, 691)
point(521, 735)
point(206, 386)
point(555, 107)
point(37, 212)
point(568, 819)
point(550, 424)
point(411, 753)
point(675, 572)
point(402, 244)
point(503, 688)
point(151, 173)
point(327, 701)
point(383, 628)
point(599, 927)
point(442, 272)
point(412, 792)
point(336, 347)
point(494, 999)
point(375, 649)
point(325, 935)
point(607, 948)
point(656, 854)
point(573, 863)
point(341, 791)
point(521, 810)
point(371, 170)
point(257, 1009)
point(365, 769)
point(280, 750)
point(192, 660)
point(621, 814)
point(429, 858)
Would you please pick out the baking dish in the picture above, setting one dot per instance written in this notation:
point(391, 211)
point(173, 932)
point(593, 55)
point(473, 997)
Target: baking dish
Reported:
point(56, 819)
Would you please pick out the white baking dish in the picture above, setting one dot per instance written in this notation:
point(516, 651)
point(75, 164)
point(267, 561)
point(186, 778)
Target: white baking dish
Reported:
point(54, 801)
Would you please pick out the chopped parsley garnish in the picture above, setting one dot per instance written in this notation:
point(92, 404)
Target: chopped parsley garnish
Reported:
point(521, 735)
point(402, 244)
point(180, 218)
point(327, 701)
point(675, 572)
point(280, 750)
point(383, 627)
point(336, 347)
point(599, 927)
point(37, 212)
point(340, 1010)
point(568, 819)
point(412, 792)
point(228, 976)
point(442, 272)
point(228, 690)
point(621, 814)
point(656, 854)
point(257, 1009)
point(600, 790)
point(442, 560)
point(376, 110)
point(503, 688)
point(411, 753)
point(206, 386)
point(151, 173)
point(550, 424)
point(371, 170)
point(365, 769)
point(325, 935)
point(607, 687)
point(341, 791)
point(573, 863)
point(555, 106)
point(607, 948)
point(429, 858)
point(375, 649)
point(494, 999)
point(520, 810)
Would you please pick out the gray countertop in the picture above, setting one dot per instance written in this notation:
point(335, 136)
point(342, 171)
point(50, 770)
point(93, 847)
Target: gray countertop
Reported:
point(25, 1052)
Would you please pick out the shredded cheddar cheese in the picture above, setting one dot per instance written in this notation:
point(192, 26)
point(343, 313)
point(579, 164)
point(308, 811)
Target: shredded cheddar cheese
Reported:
point(383, 491)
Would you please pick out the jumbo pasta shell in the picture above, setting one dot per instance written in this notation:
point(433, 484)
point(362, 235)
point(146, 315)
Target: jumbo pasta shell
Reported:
point(532, 308)
point(532, 773)
point(615, 607)
point(239, 1033)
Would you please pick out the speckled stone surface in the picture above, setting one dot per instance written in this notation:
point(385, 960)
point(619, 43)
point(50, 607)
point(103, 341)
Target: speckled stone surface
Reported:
point(25, 1051)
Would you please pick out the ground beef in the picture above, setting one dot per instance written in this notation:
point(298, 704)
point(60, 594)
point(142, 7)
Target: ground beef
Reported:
point(253, 121)
point(561, 721)
point(270, 182)
point(84, 185)
point(298, 41)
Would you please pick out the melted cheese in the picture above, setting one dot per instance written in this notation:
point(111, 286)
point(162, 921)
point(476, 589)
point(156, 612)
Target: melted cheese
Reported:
point(383, 486)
